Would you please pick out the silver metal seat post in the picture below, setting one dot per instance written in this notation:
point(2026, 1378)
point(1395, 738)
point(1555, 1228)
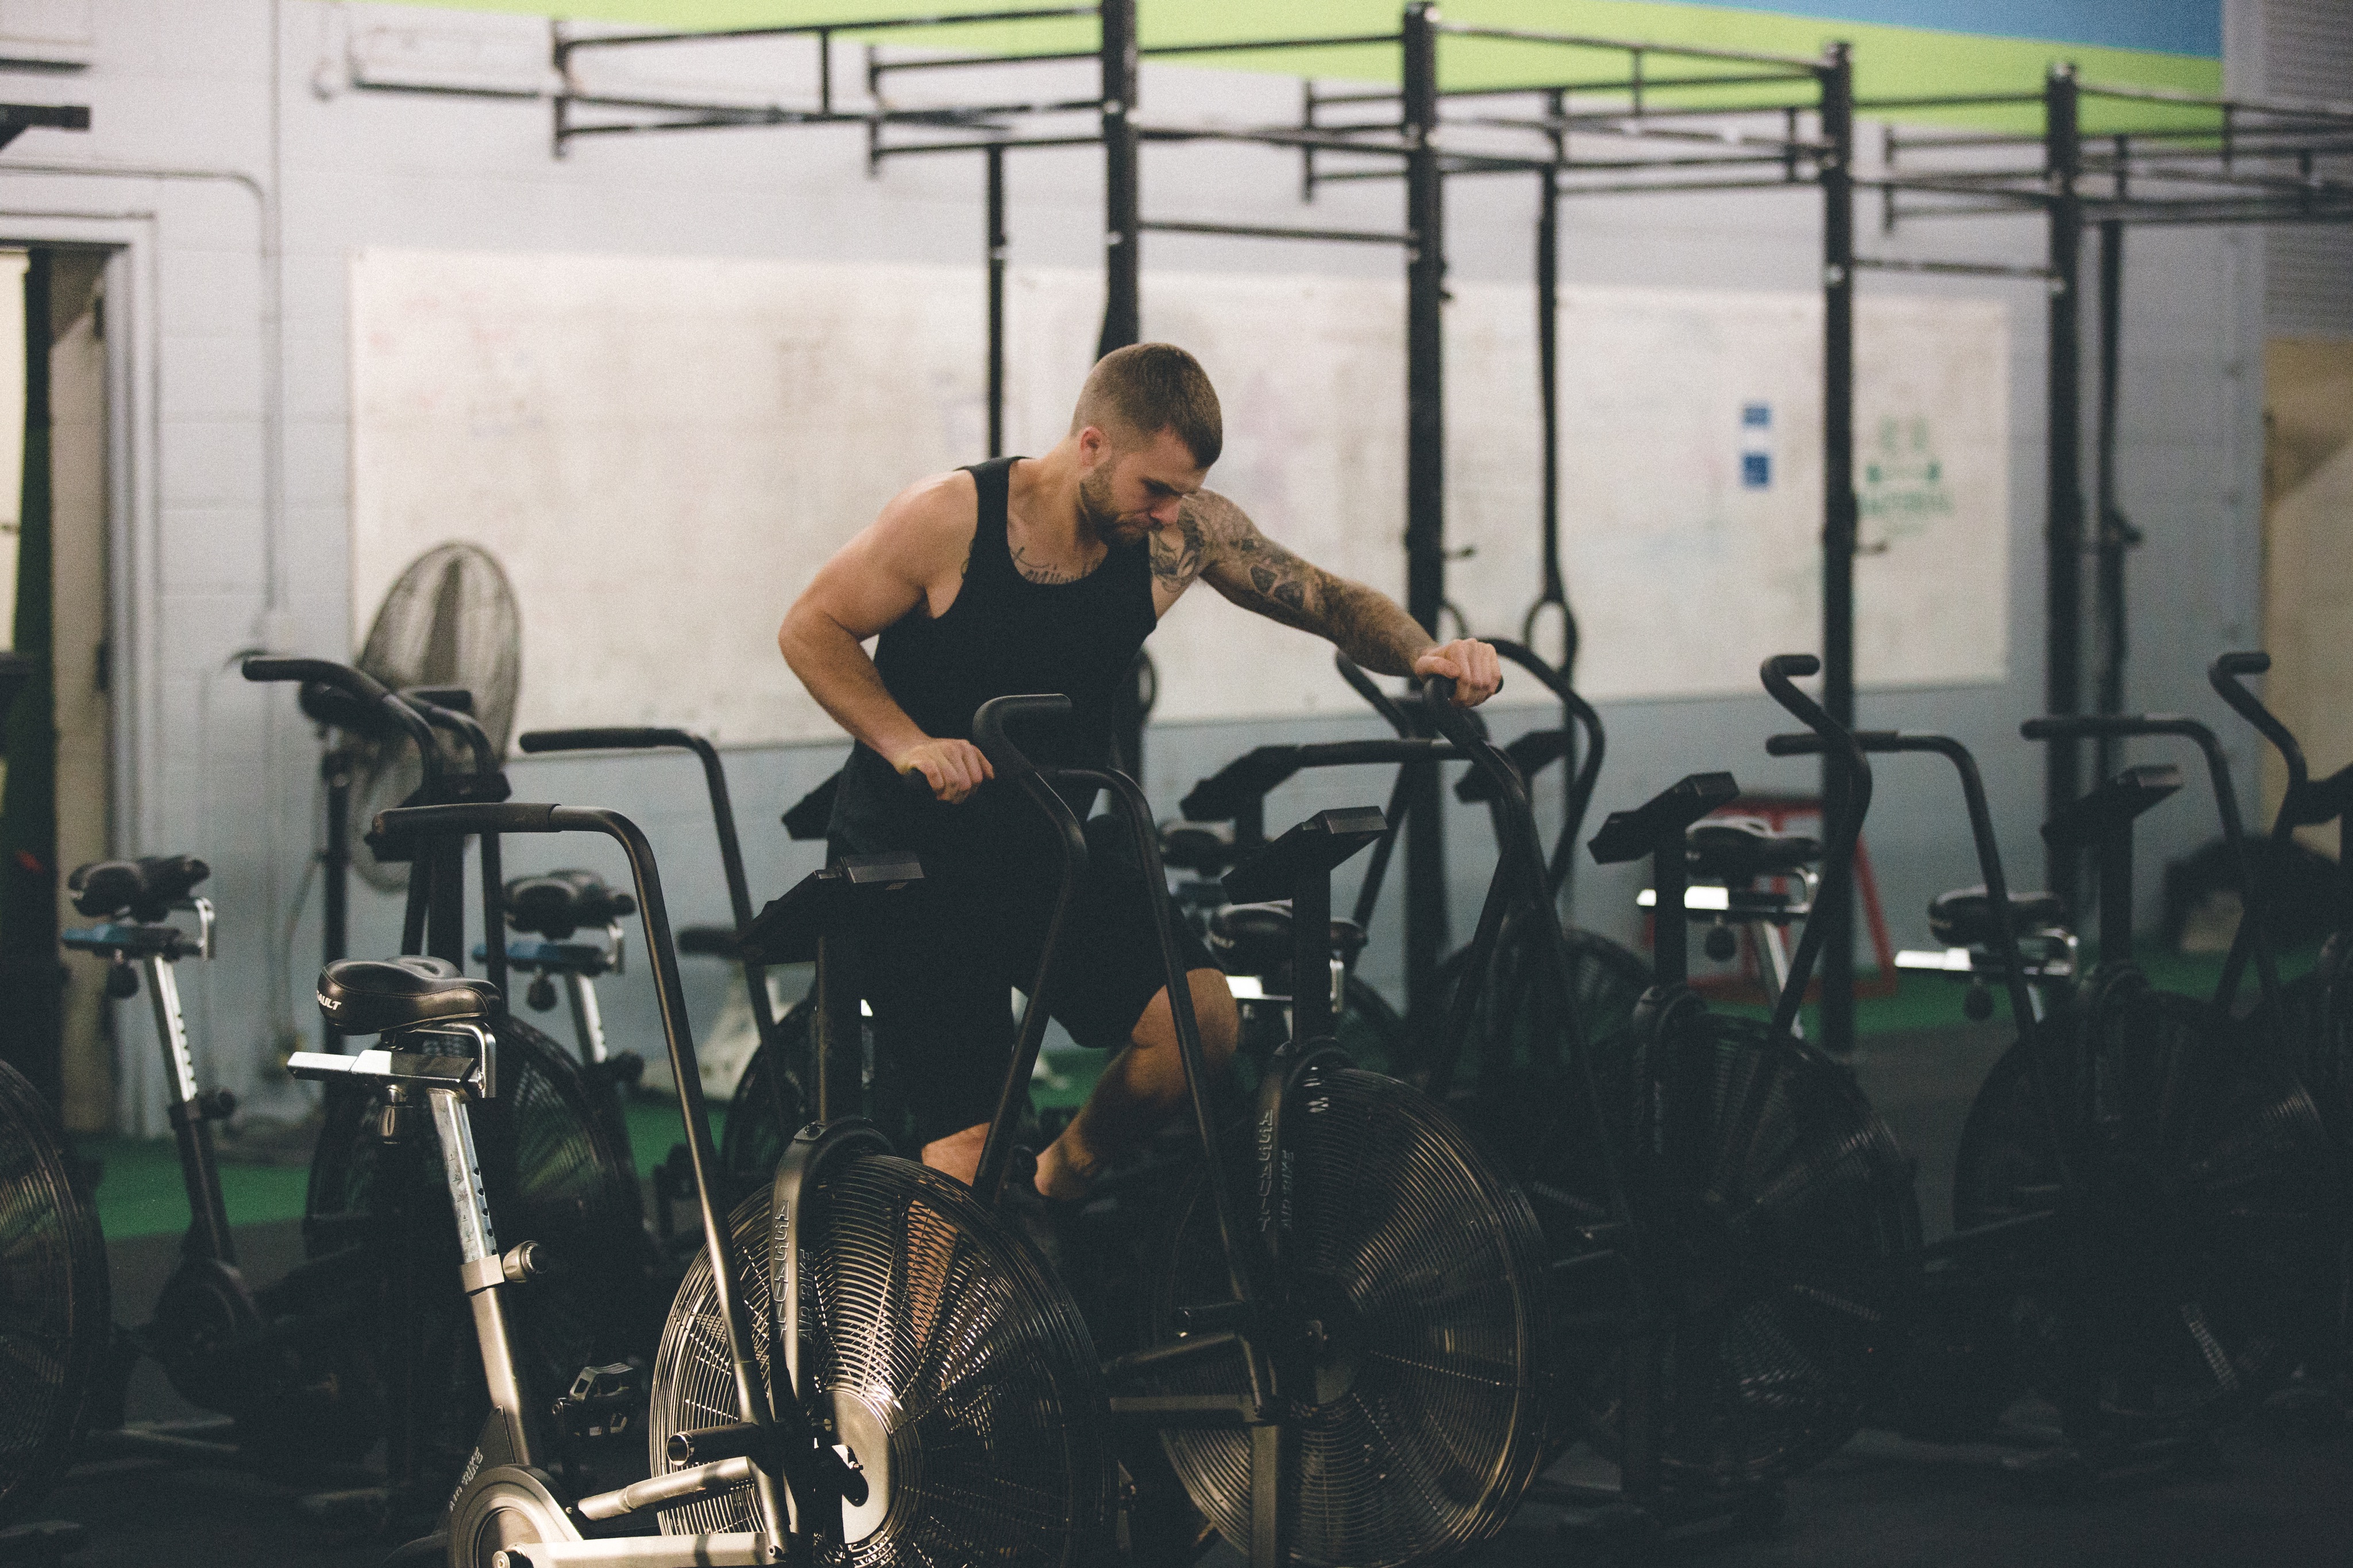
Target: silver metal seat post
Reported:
point(448, 1083)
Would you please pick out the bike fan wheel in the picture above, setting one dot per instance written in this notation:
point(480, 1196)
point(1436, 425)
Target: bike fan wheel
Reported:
point(55, 1316)
point(1781, 1246)
point(2316, 1027)
point(1517, 1028)
point(1421, 1423)
point(2204, 1260)
point(767, 1110)
point(552, 1176)
point(777, 1097)
point(948, 1358)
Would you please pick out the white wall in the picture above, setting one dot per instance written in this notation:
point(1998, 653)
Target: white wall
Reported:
point(237, 170)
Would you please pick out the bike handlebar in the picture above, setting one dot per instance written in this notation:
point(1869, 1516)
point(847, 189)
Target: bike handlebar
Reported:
point(362, 687)
point(988, 729)
point(612, 738)
point(2223, 674)
point(1812, 745)
point(271, 668)
point(1780, 673)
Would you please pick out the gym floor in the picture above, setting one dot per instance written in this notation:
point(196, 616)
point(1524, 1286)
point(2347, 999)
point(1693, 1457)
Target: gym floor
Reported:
point(2267, 1491)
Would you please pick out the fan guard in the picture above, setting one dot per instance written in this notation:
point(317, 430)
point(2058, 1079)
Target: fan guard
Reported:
point(942, 1336)
point(752, 1138)
point(552, 1176)
point(56, 1317)
point(2207, 1261)
point(1426, 1423)
point(1783, 1240)
point(1515, 1037)
point(2316, 1027)
point(449, 619)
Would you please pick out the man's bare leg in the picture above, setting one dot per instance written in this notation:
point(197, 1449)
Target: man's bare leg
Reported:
point(1140, 1087)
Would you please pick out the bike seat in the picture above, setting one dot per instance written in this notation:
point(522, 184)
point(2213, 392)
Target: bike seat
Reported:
point(557, 903)
point(377, 996)
point(1737, 849)
point(1255, 939)
point(1963, 917)
point(145, 889)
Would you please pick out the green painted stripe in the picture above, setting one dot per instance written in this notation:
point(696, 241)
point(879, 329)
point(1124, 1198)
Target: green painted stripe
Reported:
point(1890, 61)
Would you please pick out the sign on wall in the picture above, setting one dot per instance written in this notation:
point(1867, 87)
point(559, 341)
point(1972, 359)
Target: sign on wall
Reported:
point(662, 451)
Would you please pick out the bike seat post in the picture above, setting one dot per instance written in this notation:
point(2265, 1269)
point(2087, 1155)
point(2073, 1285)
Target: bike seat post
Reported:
point(1670, 927)
point(587, 1019)
point(836, 1004)
point(208, 1231)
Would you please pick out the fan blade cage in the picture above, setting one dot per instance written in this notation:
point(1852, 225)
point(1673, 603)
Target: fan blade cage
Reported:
point(1368, 1029)
point(2204, 1265)
point(54, 1315)
point(768, 1108)
point(552, 1176)
point(1519, 1032)
point(1425, 1423)
point(1781, 1243)
point(451, 619)
point(950, 1360)
point(777, 1095)
point(2315, 1027)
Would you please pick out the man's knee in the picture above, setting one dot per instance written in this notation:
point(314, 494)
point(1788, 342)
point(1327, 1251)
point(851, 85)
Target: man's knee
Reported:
point(1221, 1020)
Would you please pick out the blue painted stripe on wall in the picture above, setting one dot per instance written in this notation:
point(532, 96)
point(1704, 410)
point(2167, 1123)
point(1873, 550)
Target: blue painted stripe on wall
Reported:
point(2166, 26)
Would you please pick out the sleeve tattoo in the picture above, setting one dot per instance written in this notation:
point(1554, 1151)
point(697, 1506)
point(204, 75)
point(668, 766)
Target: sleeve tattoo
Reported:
point(1216, 540)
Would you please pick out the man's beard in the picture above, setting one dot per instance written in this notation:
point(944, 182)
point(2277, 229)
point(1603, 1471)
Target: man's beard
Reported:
point(1094, 501)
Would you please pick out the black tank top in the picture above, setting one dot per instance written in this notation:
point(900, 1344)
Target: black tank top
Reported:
point(1003, 636)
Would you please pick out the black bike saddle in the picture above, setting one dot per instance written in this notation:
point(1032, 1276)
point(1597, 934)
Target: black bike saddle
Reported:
point(1963, 917)
point(1737, 849)
point(1255, 939)
point(143, 890)
point(558, 904)
point(375, 996)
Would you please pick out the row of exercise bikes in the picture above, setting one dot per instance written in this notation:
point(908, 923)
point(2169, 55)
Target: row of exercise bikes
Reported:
point(1351, 1309)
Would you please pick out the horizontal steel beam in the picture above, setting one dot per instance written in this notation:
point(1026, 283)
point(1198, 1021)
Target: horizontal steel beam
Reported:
point(804, 29)
point(1952, 268)
point(1796, 65)
point(1269, 231)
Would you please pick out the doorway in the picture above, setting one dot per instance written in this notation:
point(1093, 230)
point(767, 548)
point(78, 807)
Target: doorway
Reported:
point(2308, 556)
point(55, 615)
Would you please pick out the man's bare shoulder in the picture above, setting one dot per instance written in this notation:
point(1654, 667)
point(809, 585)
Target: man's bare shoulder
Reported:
point(931, 513)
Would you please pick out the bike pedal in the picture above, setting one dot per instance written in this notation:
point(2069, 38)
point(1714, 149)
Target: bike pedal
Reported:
point(603, 1400)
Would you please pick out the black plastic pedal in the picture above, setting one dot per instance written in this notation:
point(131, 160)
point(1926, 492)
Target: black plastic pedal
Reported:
point(2112, 805)
point(1630, 834)
point(811, 814)
point(603, 1402)
point(1240, 784)
point(1531, 753)
point(786, 930)
point(1310, 849)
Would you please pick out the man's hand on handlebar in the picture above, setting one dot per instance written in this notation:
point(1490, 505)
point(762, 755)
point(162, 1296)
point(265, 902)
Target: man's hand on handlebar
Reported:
point(1473, 667)
point(953, 768)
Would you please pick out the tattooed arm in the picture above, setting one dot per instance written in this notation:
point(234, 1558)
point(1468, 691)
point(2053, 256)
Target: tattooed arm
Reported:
point(1215, 540)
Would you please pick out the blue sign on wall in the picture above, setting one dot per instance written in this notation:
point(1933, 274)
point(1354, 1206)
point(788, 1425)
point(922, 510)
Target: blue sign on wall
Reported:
point(2165, 26)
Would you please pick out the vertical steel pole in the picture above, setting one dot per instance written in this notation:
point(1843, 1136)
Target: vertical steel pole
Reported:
point(1122, 322)
point(2110, 583)
point(1425, 478)
point(1839, 519)
point(1548, 401)
point(996, 299)
point(2063, 499)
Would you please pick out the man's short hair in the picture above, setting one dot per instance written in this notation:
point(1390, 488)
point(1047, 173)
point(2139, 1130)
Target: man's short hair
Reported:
point(1146, 388)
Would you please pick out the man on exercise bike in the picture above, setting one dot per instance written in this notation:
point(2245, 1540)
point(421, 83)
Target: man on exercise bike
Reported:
point(1025, 574)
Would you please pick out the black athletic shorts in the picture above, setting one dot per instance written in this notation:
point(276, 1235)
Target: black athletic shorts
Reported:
point(938, 962)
